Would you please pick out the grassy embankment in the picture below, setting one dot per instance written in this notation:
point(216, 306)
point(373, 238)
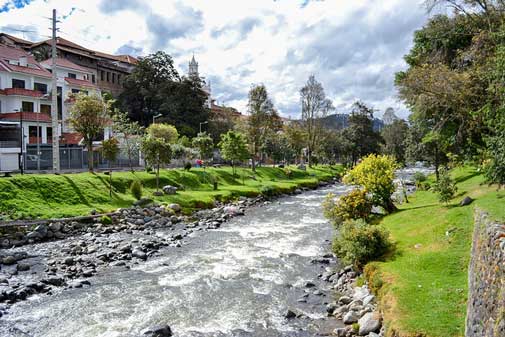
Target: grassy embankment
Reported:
point(49, 196)
point(424, 283)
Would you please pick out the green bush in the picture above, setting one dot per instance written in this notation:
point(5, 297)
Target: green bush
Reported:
point(187, 166)
point(136, 189)
point(268, 191)
point(106, 220)
point(445, 186)
point(358, 243)
point(354, 205)
point(419, 178)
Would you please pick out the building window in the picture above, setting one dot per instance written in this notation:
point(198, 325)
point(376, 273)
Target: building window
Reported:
point(118, 78)
point(45, 109)
point(32, 131)
point(49, 132)
point(27, 106)
point(75, 91)
point(101, 75)
point(108, 76)
point(72, 75)
point(93, 79)
point(40, 87)
point(113, 77)
point(18, 83)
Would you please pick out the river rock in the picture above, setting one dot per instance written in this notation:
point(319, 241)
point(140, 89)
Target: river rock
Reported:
point(175, 207)
point(158, 331)
point(370, 322)
point(55, 226)
point(368, 300)
point(23, 267)
point(350, 317)
point(139, 254)
point(33, 236)
point(8, 260)
point(42, 230)
point(345, 300)
point(169, 189)
point(290, 314)
point(340, 332)
point(233, 210)
point(54, 281)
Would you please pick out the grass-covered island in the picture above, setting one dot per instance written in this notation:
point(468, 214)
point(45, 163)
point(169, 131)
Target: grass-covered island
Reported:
point(53, 196)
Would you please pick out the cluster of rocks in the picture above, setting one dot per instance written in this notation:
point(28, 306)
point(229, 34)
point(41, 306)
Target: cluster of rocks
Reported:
point(356, 307)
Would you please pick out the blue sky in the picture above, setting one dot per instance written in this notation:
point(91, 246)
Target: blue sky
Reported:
point(352, 47)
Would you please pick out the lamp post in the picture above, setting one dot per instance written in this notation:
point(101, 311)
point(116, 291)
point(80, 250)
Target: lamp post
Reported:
point(157, 116)
point(22, 134)
point(206, 122)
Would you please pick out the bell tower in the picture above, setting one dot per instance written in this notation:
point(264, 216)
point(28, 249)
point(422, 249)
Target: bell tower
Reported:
point(193, 67)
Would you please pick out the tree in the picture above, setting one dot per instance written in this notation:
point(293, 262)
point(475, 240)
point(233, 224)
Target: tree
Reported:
point(276, 146)
point(141, 94)
point(234, 148)
point(315, 106)
point(394, 139)
point(445, 187)
point(88, 117)
point(110, 151)
point(204, 144)
point(129, 133)
point(495, 165)
point(221, 121)
point(376, 174)
point(262, 119)
point(360, 132)
point(156, 146)
point(296, 137)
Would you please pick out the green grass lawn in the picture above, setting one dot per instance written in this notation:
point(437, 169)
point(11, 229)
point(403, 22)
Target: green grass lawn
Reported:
point(49, 196)
point(425, 280)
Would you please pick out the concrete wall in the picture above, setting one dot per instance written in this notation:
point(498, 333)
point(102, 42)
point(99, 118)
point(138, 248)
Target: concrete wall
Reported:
point(486, 276)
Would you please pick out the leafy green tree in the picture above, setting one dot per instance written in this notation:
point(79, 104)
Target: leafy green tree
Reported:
point(156, 146)
point(376, 174)
point(110, 151)
point(129, 133)
point(360, 132)
point(141, 89)
point(262, 119)
point(394, 136)
point(203, 142)
point(276, 146)
point(315, 106)
point(233, 147)
point(88, 117)
point(445, 187)
point(296, 138)
point(495, 165)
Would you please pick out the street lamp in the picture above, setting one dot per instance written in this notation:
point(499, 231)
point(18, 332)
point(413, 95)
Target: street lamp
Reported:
point(21, 159)
point(206, 122)
point(157, 116)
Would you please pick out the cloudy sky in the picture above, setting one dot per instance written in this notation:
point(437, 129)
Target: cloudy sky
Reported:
point(352, 47)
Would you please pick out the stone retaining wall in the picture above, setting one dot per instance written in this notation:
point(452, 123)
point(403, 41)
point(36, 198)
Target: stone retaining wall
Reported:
point(486, 277)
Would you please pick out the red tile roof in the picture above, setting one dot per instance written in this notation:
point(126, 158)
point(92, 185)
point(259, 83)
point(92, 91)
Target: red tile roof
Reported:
point(79, 83)
point(26, 116)
point(9, 53)
point(16, 39)
point(61, 62)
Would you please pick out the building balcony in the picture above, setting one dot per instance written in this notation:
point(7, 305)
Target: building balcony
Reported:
point(25, 116)
point(7, 144)
point(33, 140)
point(23, 92)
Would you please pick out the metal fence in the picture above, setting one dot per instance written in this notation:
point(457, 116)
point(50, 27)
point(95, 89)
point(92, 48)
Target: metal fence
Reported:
point(71, 158)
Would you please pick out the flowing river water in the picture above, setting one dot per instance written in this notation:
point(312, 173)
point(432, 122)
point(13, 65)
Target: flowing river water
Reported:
point(238, 280)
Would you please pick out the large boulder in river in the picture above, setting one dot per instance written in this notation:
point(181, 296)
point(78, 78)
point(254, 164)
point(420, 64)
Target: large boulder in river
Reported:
point(158, 331)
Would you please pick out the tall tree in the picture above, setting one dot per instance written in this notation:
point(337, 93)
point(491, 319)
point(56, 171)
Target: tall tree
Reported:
point(129, 133)
point(360, 132)
point(88, 117)
point(296, 137)
point(203, 142)
point(141, 94)
point(394, 139)
point(262, 119)
point(315, 106)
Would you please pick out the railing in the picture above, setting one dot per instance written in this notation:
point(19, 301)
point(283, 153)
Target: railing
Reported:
point(9, 144)
point(23, 92)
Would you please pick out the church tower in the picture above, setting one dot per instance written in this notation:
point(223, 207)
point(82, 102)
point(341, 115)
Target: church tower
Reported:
point(193, 68)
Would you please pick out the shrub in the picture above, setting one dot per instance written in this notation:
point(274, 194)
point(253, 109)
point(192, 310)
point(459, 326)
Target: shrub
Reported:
point(419, 177)
point(288, 173)
point(354, 205)
point(358, 243)
point(445, 186)
point(376, 174)
point(268, 191)
point(136, 189)
point(187, 166)
point(373, 278)
point(106, 220)
point(355, 327)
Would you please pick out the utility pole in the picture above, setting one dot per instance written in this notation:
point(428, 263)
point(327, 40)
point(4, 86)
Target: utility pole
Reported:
point(54, 108)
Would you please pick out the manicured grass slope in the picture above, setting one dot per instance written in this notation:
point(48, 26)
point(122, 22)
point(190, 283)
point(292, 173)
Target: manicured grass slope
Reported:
point(425, 288)
point(48, 196)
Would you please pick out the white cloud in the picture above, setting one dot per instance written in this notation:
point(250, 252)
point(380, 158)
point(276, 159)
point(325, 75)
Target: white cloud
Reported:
point(353, 47)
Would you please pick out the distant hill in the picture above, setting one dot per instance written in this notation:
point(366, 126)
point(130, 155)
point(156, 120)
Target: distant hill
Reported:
point(341, 121)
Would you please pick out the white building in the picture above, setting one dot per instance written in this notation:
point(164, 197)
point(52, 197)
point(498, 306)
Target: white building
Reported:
point(25, 96)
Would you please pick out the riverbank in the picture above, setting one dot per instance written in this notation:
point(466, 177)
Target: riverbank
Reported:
point(55, 196)
point(423, 285)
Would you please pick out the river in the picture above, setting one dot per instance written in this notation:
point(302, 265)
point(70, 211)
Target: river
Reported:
point(238, 280)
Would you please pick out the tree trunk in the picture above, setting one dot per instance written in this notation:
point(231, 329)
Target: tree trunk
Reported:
point(436, 163)
point(309, 155)
point(90, 155)
point(157, 177)
point(253, 161)
point(390, 206)
point(110, 180)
